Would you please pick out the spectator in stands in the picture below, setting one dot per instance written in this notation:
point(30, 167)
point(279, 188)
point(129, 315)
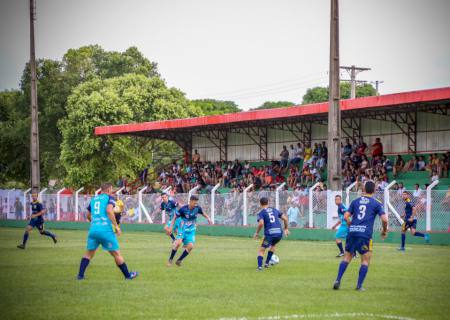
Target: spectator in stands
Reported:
point(18, 208)
point(417, 191)
point(421, 164)
point(347, 148)
point(299, 154)
point(308, 153)
point(324, 151)
point(292, 155)
point(411, 164)
point(398, 165)
point(445, 164)
point(401, 188)
point(195, 157)
point(293, 213)
point(377, 148)
point(386, 162)
point(362, 146)
point(306, 175)
point(434, 176)
point(446, 201)
point(284, 156)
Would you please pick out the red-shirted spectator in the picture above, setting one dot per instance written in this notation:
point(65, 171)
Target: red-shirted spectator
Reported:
point(362, 146)
point(377, 148)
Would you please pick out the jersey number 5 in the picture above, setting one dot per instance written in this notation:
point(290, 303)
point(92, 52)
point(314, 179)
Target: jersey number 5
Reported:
point(362, 212)
point(271, 217)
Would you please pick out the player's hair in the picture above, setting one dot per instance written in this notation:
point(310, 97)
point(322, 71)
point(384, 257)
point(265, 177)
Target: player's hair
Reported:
point(338, 196)
point(164, 194)
point(193, 198)
point(105, 186)
point(369, 187)
point(263, 201)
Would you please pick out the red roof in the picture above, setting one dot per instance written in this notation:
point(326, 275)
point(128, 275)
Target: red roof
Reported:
point(388, 100)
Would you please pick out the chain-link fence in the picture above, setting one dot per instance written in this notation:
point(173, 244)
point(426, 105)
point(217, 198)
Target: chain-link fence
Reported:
point(304, 208)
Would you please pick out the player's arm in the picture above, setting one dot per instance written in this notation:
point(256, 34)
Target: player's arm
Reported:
point(336, 224)
point(384, 224)
point(112, 217)
point(207, 218)
point(40, 213)
point(172, 222)
point(347, 216)
point(88, 215)
point(414, 213)
point(258, 228)
point(286, 224)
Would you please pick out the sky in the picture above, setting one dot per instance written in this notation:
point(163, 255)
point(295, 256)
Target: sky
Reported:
point(247, 51)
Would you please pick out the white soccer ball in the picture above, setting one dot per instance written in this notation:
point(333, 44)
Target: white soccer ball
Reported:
point(274, 260)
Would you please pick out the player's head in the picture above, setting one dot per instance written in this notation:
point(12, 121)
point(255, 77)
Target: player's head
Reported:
point(264, 202)
point(405, 195)
point(107, 188)
point(338, 199)
point(193, 200)
point(35, 196)
point(165, 197)
point(369, 187)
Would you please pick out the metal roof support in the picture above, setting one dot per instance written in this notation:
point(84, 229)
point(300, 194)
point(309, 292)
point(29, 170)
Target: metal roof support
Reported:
point(263, 144)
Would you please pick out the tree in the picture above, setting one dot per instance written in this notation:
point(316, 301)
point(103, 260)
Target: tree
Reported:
point(212, 107)
point(89, 160)
point(275, 104)
point(320, 94)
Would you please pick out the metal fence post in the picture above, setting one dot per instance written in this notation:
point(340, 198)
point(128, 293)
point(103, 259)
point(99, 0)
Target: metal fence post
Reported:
point(41, 193)
point(142, 207)
point(77, 211)
point(277, 195)
point(118, 192)
point(213, 202)
point(428, 212)
point(8, 203)
point(24, 214)
point(98, 191)
point(58, 204)
point(192, 191)
point(311, 204)
point(347, 192)
point(244, 211)
point(387, 203)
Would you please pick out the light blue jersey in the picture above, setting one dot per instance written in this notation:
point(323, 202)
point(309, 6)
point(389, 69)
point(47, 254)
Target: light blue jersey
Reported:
point(341, 213)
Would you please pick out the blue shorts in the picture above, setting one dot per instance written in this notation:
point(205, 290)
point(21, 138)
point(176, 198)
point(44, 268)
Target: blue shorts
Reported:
point(188, 236)
point(409, 225)
point(342, 232)
point(107, 239)
point(176, 225)
point(35, 223)
point(269, 241)
point(358, 244)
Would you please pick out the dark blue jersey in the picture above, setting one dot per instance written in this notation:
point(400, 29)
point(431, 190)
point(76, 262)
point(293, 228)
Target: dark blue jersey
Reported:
point(272, 223)
point(170, 207)
point(189, 216)
point(364, 210)
point(408, 209)
point(37, 207)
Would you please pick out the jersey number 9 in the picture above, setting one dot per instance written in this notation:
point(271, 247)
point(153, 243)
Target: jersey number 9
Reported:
point(97, 208)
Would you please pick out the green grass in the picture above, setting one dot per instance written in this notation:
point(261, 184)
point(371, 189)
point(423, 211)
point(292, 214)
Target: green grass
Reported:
point(218, 280)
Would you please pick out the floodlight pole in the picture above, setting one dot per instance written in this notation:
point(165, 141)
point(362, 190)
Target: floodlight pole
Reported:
point(334, 114)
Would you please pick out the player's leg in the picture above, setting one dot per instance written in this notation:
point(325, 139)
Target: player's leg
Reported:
point(365, 261)
point(188, 241)
point(176, 244)
point(266, 243)
point(404, 229)
point(419, 234)
point(350, 249)
point(120, 262)
point(44, 232)
point(340, 247)
point(26, 234)
point(90, 252)
point(272, 248)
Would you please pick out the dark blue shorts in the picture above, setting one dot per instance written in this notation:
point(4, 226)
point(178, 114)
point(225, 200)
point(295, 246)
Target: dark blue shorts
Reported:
point(269, 241)
point(358, 244)
point(36, 224)
point(409, 225)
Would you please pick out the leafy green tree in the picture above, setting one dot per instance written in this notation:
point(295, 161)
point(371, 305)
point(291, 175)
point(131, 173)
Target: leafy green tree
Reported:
point(212, 107)
point(275, 104)
point(89, 160)
point(320, 94)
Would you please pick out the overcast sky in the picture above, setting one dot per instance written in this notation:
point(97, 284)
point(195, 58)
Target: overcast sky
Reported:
point(249, 51)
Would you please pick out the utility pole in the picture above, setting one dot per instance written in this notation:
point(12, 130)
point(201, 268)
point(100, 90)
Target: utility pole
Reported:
point(377, 86)
point(334, 112)
point(34, 139)
point(353, 71)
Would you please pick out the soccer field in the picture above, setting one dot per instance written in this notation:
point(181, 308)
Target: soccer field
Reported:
point(218, 280)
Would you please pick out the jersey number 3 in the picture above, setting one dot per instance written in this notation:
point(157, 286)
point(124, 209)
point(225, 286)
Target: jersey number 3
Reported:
point(362, 212)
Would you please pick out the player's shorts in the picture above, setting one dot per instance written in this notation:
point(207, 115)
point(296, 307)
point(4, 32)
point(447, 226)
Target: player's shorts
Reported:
point(358, 244)
point(176, 225)
point(118, 217)
point(107, 239)
point(341, 233)
point(269, 241)
point(39, 224)
point(188, 236)
point(409, 225)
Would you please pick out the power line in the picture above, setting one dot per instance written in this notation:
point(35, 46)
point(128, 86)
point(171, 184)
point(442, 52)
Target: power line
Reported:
point(353, 71)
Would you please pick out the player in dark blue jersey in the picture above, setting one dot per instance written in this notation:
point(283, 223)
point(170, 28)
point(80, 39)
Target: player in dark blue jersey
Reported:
point(342, 232)
point(36, 221)
point(186, 231)
point(169, 206)
point(363, 212)
point(410, 221)
point(269, 219)
point(100, 214)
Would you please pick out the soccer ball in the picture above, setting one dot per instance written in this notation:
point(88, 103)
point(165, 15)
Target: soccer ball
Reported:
point(274, 260)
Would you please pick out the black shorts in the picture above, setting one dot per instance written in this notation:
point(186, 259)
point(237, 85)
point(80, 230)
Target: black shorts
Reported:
point(358, 244)
point(409, 225)
point(118, 216)
point(269, 241)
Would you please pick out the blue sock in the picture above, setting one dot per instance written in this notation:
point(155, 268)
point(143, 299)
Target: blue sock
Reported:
point(362, 275)
point(183, 255)
point(403, 240)
point(25, 238)
point(172, 237)
point(172, 254)
point(342, 267)
point(123, 267)
point(260, 260)
point(48, 234)
point(83, 265)
point(419, 234)
point(339, 245)
point(269, 256)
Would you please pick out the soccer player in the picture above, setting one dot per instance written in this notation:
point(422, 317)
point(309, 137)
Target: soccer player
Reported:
point(118, 209)
point(269, 219)
point(186, 230)
point(363, 212)
point(342, 232)
point(169, 206)
point(101, 216)
point(36, 220)
point(410, 221)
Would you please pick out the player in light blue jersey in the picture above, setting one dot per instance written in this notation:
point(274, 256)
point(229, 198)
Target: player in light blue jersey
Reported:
point(342, 231)
point(186, 231)
point(363, 212)
point(101, 216)
point(169, 206)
